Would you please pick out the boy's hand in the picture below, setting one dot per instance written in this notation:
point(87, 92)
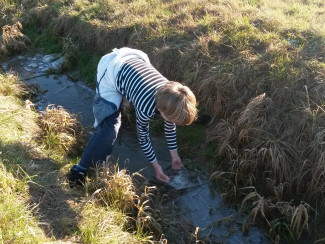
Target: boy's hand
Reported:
point(176, 160)
point(159, 172)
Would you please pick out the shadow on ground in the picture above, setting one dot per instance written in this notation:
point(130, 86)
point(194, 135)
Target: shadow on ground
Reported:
point(50, 199)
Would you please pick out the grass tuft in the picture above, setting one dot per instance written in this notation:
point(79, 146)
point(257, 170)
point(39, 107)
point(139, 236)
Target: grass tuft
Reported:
point(10, 85)
point(13, 40)
point(62, 131)
point(117, 189)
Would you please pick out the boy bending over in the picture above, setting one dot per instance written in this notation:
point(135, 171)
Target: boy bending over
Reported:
point(128, 72)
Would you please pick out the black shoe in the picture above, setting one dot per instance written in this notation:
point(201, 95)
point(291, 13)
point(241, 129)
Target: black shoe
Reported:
point(77, 178)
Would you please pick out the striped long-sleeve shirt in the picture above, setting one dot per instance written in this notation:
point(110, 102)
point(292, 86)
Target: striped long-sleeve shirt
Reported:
point(138, 82)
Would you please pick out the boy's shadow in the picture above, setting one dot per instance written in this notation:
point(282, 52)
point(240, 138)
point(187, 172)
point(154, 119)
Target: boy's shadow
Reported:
point(49, 201)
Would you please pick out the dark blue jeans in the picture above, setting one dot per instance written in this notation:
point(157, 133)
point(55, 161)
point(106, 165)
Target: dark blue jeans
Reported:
point(100, 145)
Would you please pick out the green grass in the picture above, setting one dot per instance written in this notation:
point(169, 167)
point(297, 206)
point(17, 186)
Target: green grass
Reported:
point(87, 64)
point(102, 225)
point(46, 39)
point(191, 139)
point(17, 222)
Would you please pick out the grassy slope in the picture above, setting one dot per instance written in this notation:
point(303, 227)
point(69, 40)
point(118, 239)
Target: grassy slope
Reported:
point(231, 53)
point(13, 191)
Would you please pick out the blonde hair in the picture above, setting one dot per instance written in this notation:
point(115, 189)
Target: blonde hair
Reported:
point(177, 102)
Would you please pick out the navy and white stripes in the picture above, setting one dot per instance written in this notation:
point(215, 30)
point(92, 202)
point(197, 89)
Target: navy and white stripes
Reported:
point(138, 82)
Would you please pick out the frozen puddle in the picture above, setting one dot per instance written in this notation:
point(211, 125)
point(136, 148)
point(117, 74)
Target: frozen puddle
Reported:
point(204, 207)
point(217, 222)
point(185, 178)
point(60, 90)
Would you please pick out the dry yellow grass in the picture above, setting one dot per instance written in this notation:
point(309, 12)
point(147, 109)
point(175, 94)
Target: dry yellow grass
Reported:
point(116, 189)
point(13, 40)
point(10, 85)
point(61, 131)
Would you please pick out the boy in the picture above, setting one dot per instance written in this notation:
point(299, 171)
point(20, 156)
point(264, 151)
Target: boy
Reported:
point(128, 72)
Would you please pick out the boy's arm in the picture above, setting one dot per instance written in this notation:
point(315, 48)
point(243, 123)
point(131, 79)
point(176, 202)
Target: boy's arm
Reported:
point(143, 136)
point(145, 144)
point(170, 133)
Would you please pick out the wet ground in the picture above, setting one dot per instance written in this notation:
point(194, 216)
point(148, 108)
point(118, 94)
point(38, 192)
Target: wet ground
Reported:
point(190, 192)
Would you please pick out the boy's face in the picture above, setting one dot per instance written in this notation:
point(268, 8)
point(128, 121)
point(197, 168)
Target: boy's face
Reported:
point(165, 117)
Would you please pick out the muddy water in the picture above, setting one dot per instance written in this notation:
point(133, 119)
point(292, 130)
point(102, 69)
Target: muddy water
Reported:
point(191, 195)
